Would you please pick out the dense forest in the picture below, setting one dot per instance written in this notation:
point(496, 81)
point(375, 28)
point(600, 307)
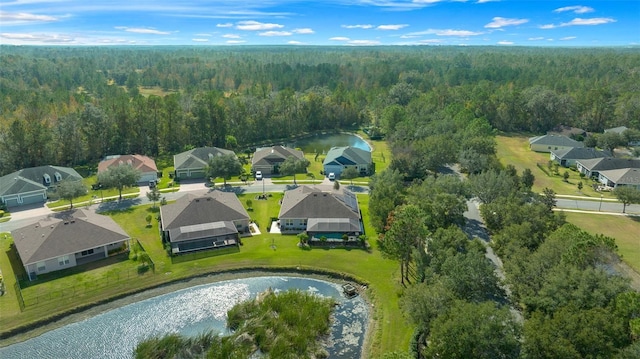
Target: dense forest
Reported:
point(73, 106)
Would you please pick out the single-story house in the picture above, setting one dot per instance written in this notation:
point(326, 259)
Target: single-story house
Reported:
point(269, 159)
point(548, 143)
point(67, 239)
point(144, 164)
point(192, 163)
point(569, 156)
point(30, 185)
point(569, 131)
point(197, 222)
point(321, 214)
point(620, 130)
point(593, 167)
point(340, 158)
point(628, 177)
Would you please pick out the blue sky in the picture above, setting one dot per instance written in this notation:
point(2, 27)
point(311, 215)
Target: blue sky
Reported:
point(330, 22)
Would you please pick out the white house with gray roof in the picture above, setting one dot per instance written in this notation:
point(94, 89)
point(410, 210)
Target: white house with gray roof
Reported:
point(340, 158)
point(593, 167)
point(548, 143)
point(67, 239)
point(31, 185)
point(627, 177)
point(192, 163)
point(321, 213)
point(568, 157)
point(198, 222)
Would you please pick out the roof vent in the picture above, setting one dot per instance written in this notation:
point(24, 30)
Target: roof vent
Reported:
point(37, 225)
point(73, 221)
point(65, 222)
point(197, 199)
point(208, 199)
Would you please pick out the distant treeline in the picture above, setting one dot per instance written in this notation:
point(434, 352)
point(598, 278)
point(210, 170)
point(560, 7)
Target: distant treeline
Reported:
point(74, 105)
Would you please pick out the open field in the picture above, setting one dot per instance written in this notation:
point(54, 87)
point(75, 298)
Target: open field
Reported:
point(391, 332)
point(625, 230)
point(514, 150)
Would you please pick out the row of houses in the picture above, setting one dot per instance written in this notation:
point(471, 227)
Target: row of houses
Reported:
point(600, 165)
point(193, 223)
point(33, 185)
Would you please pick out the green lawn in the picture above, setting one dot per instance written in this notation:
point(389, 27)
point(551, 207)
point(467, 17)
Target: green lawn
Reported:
point(391, 332)
point(514, 150)
point(624, 229)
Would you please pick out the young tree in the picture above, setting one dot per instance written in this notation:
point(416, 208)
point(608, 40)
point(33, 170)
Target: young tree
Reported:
point(580, 185)
point(527, 180)
point(548, 198)
point(406, 233)
point(565, 176)
point(119, 177)
point(349, 174)
point(68, 189)
point(154, 195)
point(223, 166)
point(293, 165)
point(627, 195)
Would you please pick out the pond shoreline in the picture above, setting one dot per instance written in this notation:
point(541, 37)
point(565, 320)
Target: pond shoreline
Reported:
point(35, 329)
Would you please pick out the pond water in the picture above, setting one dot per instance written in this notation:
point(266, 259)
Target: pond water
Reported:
point(191, 311)
point(323, 142)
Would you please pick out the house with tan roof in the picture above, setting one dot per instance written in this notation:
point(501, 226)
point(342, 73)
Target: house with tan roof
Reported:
point(32, 185)
point(269, 159)
point(67, 239)
point(198, 222)
point(192, 163)
point(145, 165)
point(627, 177)
point(329, 214)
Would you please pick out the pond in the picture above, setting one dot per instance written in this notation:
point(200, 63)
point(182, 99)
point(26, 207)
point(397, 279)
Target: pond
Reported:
point(323, 142)
point(191, 311)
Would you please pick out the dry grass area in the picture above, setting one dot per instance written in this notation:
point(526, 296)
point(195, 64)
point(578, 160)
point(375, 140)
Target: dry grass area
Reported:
point(155, 90)
point(626, 231)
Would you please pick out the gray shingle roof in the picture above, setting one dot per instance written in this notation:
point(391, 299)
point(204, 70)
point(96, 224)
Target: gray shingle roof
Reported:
point(190, 209)
point(32, 179)
point(577, 153)
point(609, 163)
point(66, 233)
point(311, 202)
point(347, 156)
point(270, 156)
point(197, 157)
point(618, 130)
point(555, 140)
point(624, 176)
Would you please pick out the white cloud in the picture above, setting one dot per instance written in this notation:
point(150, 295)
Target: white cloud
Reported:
point(140, 30)
point(578, 9)
point(499, 22)
point(37, 38)
point(18, 18)
point(231, 36)
point(536, 38)
point(200, 40)
point(303, 31)
point(363, 42)
point(228, 24)
point(275, 33)
point(505, 42)
point(234, 42)
point(252, 25)
point(430, 41)
point(295, 43)
point(485, 1)
point(391, 27)
point(566, 38)
point(578, 21)
point(445, 32)
point(365, 26)
point(339, 38)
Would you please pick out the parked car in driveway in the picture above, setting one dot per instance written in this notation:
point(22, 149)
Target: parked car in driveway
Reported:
point(258, 175)
point(331, 176)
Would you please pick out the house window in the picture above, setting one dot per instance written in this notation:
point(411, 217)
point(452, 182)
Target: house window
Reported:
point(63, 261)
point(58, 176)
point(304, 222)
point(288, 222)
point(41, 267)
point(87, 252)
point(47, 178)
